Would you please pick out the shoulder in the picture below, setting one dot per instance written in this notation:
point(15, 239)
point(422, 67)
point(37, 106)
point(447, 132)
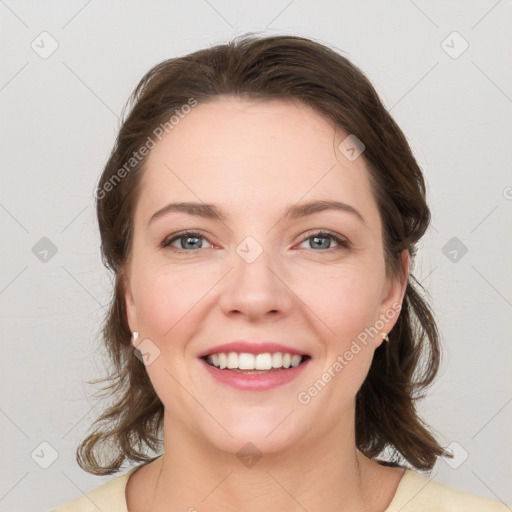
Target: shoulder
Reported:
point(109, 496)
point(419, 493)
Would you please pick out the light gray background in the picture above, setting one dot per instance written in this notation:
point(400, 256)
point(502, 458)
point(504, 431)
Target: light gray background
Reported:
point(58, 123)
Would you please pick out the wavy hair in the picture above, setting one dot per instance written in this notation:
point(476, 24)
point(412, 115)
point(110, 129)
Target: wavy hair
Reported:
point(287, 68)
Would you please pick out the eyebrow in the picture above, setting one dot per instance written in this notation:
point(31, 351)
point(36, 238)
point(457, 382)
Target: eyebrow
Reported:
point(295, 211)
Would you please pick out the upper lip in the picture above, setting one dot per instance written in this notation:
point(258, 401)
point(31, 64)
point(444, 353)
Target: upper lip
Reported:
point(252, 347)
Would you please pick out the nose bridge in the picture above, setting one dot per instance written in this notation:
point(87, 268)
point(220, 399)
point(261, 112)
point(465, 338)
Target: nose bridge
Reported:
point(255, 287)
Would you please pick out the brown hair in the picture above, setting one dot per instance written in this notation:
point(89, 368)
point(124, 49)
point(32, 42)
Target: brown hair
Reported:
point(286, 68)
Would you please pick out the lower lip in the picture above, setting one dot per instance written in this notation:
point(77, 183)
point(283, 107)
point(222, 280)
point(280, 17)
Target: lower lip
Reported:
point(255, 382)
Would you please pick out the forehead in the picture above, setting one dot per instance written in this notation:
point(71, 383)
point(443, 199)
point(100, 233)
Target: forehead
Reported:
point(260, 153)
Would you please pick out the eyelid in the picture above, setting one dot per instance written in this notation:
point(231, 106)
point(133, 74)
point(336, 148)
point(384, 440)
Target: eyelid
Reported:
point(182, 234)
point(325, 232)
point(342, 241)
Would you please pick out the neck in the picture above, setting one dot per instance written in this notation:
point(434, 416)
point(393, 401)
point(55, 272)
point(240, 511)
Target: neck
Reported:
point(327, 474)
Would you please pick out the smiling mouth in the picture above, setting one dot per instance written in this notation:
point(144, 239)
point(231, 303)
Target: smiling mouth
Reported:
point(254, 363)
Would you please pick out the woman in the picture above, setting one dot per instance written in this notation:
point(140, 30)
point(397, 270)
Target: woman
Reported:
point(260, 211)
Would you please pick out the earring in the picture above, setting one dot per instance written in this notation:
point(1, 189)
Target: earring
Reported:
point(135, 335)
point(386, 338)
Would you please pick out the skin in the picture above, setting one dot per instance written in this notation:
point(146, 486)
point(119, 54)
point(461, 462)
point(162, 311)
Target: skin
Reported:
point(252, 159)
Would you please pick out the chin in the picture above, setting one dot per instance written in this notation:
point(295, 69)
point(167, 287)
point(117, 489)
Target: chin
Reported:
point(261, 433)
point(254, 446)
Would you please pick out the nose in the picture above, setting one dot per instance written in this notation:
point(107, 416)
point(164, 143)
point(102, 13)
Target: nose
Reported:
point(256, 289)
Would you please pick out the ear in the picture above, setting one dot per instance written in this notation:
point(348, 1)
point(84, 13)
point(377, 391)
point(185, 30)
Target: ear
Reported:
point(131, 310)
point(393, 296)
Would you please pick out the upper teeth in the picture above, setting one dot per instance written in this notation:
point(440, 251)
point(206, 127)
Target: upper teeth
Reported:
point(245, 361)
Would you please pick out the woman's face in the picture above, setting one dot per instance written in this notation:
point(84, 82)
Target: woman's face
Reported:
point(261, 274)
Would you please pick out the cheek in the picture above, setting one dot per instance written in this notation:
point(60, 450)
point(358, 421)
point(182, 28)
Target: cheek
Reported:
point(166, 298)
point(348, 306)
point(169, 302)
point(346, 302)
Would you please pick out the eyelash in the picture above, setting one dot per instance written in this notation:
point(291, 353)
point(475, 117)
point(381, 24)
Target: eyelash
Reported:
point(343, 243)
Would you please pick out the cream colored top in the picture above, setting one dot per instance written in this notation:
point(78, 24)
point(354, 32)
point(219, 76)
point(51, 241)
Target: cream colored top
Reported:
point(415, 493)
